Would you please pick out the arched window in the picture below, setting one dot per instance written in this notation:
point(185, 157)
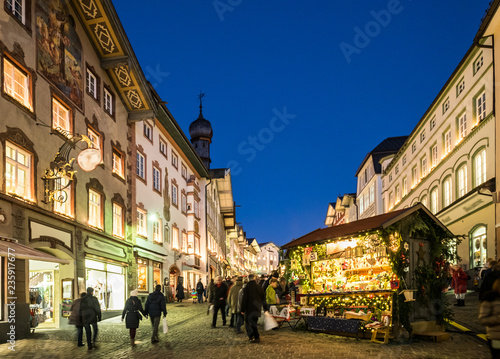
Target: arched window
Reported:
point(424, 200)
point(462, 180)
point(478, 246)
point(447, 199)
point(434, 200)
point(480, 168)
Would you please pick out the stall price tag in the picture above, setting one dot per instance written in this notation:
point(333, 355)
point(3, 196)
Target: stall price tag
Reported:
point(313, 256)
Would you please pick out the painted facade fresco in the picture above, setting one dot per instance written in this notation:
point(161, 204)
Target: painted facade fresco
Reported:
point(59, 50)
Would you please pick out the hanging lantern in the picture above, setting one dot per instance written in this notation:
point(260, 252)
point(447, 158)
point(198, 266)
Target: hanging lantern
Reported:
point(89, 159)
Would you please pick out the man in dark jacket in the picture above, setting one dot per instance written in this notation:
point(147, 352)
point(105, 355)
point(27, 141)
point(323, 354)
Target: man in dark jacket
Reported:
point(155, 305)
point(90, 312)
point(218, 298)
point(488, 281)
point(253, 299)
point(76, 319)
point(199, 290)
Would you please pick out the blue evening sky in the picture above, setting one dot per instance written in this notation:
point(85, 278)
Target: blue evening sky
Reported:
point(293, 114)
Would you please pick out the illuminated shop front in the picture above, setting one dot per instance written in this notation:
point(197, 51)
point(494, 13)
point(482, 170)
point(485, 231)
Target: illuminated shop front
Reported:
point(108, 281)
point(149, 274)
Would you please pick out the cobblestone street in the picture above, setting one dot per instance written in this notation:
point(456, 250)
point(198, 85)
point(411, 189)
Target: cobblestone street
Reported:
point(190, 336)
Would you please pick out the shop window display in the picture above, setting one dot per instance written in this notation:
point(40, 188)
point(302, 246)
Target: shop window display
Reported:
point(108, 281)
point(142, 274)
point(42, 296)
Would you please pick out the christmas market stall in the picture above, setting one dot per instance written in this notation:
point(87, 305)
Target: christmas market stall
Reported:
point(379, 277)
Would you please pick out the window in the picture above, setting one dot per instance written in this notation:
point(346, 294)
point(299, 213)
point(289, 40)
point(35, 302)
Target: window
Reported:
point(446, 105)
point(383, 183)
point(479, 246)
point(196, 209)
point(423, 169)
point(142, 229)
point(447, 142)
point(157, 237)
point(175, 238)
point(117, 220)
point(391, 200)
point(95, 140)
point(95, 219)
point(403, 161)
point(361, 205)
point(432, 123)
point(480, 168)
point(118, 164)
point(405, 187)
point(424, 200)
point(398, 194)
point(478, 63)
point(174, 195)
point(18, 168)
point(434, 156)
point(372, 193)
point(184, 242)
point(16, 83)
point(61, 118)
point(422, 137)
point(462, 126)
point(163, 147)
point(65, 194)
point(390, 177)
point(156, 179)
point(183, 203)
point(174, 160)
point(447, 192)
point(184, 171)
point(109, 101)
point(413, 147)
point(481, 107)
point(460, 86)
point(434, 200)
point(148, 131)
point(140, 165)
point(396, 170)
point(92, 84)
point(18, 9)
point(462, 180)
point(142, 274)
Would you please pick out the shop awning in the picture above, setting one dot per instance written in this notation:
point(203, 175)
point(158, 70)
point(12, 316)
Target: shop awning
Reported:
point(20, 251)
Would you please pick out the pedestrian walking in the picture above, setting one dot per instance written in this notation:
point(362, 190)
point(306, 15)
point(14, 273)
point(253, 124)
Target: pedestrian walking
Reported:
point(132, 311)
point(459, 284)
point(239, 317)
point(487, 267)
point(76, 319)
point(218, 298)
point(233, 300)
point(210, 288)
point(229, 283)
point(179, 292)
point(90, 312)
point(489, 315)
point(155, 305)
point(199, 290)
point(252, 302)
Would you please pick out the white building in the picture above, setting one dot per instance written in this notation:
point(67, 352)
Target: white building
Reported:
point(268, 258)
point(344, 210)
point(369, 173)
point(448, 161)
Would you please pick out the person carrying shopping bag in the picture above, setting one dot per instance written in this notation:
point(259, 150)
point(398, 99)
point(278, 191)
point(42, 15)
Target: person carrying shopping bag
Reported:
point(132, 311)
point(155, 305)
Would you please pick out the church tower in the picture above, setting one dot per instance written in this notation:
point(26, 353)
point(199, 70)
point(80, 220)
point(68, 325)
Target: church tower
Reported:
point(201, 136)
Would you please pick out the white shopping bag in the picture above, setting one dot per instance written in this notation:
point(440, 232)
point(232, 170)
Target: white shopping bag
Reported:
point(269, 321)
point(211, 309)
point(165, 327)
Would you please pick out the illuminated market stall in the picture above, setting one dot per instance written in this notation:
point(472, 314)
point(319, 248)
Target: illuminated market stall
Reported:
point(371, 270)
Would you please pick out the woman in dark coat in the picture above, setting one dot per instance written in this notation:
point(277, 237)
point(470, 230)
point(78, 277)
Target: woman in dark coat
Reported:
point(133, 310)
point(179, 292)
